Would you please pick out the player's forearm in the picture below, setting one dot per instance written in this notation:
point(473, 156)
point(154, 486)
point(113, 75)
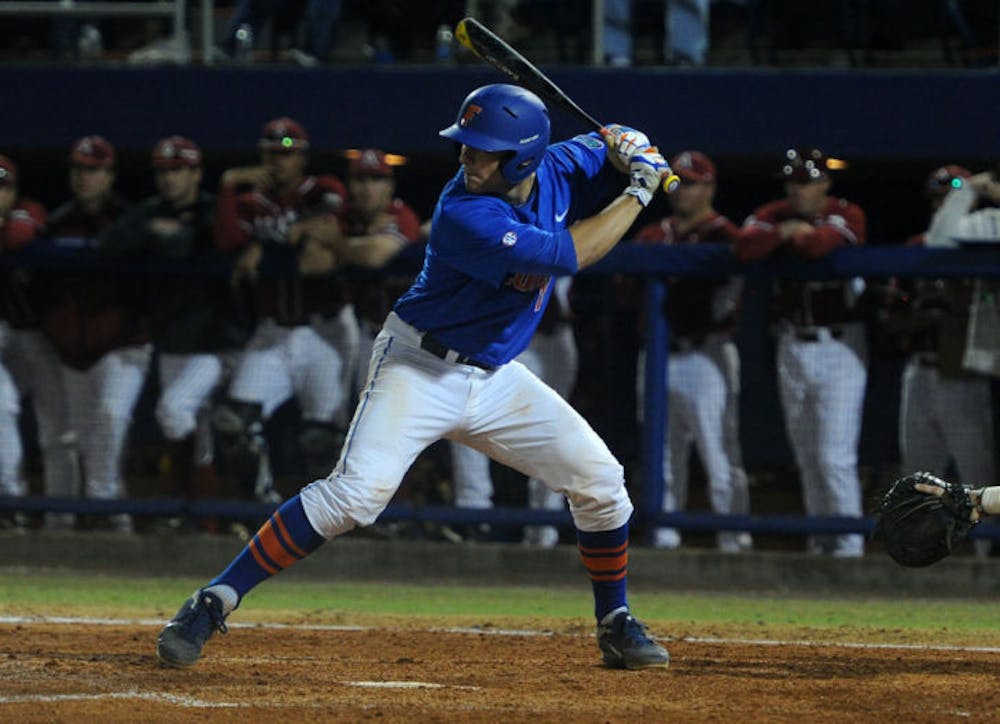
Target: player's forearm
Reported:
point(372, 251)
point(989, 500)
point(819, 243)
point(595, 236)
point(946, 219)
point(755, 243)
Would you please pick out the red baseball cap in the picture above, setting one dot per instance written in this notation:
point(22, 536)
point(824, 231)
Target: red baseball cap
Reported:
point(805, 165)
point(283, 134)
point(175, 152)
point(370, 162)
point(92, 151)
point(943, 179)
point(693, 166)
point(8, 172)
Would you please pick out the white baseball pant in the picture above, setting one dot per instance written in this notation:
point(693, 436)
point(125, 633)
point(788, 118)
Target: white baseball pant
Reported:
point(11, 452)
point(942, 417)
point(702, 412)
point(413, 399)
point(554, 359)
point(101, 401)
point(822, 388)
point(187, 382)
point(37, 371)
point(279, 362)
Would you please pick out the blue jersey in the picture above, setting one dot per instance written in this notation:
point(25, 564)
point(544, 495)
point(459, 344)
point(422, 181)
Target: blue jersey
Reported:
point(489, 266)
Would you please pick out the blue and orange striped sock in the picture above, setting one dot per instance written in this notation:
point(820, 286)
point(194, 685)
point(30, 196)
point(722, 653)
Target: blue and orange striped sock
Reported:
point(285, 538)
point(605, 555)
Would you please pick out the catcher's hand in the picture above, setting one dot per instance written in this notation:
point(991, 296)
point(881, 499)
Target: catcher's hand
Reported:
point(921, 517)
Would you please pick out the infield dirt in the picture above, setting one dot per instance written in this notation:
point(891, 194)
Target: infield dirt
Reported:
point(108, 673)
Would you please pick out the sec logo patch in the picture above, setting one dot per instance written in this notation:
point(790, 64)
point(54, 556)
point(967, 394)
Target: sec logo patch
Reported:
point(509, 239)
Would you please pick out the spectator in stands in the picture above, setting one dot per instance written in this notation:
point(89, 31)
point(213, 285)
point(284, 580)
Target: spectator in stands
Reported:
point(703, 376)
point(95, 321)
point(21, 220)
point(275, 215)
point(685, 25)
point(197, 322)
point(319, 18)
point(553, 356)
point(822, 351)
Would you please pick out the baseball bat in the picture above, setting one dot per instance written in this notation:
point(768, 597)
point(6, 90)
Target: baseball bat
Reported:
point(497, 52)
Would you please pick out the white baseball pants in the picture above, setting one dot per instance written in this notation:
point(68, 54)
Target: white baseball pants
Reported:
point(413, 399)
point(822, 388)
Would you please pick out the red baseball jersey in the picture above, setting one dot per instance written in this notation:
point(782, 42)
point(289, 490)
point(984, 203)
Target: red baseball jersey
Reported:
point(839, 223)
point(263, 217)
point(89, 313)
point(692, 306)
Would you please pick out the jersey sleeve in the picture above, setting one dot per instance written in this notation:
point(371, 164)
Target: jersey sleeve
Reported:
point(480, 237)
point(843, 226)
point(758, 236)
point(232, 231)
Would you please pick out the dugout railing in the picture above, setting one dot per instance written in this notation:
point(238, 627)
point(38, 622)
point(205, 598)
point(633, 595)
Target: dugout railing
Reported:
point(651, 263)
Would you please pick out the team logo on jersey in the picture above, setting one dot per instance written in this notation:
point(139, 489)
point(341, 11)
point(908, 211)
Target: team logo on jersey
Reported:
point(589, 141)
point(523, 282)
point(471, 111)
point(509, 239)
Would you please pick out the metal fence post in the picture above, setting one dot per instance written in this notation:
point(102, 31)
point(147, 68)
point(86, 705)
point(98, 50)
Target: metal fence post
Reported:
point(654, 426)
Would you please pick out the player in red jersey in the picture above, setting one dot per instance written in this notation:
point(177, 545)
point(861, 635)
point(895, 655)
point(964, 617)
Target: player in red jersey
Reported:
point(704, 364)
point(306, 330)
point(21, 220)
point(822, 352)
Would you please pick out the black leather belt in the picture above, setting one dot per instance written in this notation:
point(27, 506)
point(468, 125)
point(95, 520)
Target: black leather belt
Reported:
point(811, 335)
point(437, 349)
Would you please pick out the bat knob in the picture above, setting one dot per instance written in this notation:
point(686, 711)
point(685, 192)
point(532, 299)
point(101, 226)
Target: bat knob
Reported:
point(670, 182)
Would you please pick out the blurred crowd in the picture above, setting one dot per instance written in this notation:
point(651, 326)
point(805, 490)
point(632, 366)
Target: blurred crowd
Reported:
point(631, 32)
point(234, 305)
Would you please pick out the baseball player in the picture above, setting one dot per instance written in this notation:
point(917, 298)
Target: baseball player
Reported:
point(552, 356)
point(306, 333)
point(517, 214)
point(822, 352)
point(377, 226)
point(21, 220)
point(95, 321)
point(30, 357)
point(703, 364)
point(942, 410)
point(197, 323)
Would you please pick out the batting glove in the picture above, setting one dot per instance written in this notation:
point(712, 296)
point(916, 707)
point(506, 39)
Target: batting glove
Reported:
point(624, 143)
point(646, 170)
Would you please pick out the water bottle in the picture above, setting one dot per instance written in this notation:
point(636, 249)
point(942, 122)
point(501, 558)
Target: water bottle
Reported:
point(89, 44)
point(244, 43)
point(443, 50)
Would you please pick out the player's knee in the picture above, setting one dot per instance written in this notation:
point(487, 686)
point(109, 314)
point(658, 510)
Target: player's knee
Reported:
point(601, 503)
point(175, 421)
point(337, 504)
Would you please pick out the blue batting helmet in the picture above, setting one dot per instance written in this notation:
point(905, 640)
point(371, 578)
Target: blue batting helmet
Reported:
point(503, 117)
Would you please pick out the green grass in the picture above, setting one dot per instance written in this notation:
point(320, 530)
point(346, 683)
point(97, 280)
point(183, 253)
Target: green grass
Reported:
point(66, 594)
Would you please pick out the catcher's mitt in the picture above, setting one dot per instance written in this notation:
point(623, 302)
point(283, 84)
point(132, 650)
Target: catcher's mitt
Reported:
point(920, 528)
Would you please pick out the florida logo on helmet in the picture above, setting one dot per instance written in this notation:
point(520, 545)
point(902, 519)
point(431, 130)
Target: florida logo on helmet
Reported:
point(471, 111)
